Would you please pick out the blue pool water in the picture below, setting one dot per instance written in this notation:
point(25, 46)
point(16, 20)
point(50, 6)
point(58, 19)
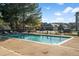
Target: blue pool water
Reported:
point(39, 38)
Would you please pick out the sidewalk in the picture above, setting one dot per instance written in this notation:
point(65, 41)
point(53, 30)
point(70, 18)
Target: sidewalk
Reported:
point(6, 52)
point(28, 48)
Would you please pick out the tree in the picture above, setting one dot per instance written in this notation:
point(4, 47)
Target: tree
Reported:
point(60, 28)
point(34, 18)
point(17, 13)
point(9, 13)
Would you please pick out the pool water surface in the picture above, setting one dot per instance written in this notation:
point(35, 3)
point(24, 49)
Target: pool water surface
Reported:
point(39, 38)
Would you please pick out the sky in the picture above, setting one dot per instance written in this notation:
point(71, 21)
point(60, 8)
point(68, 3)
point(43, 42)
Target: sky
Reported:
point(59, 12)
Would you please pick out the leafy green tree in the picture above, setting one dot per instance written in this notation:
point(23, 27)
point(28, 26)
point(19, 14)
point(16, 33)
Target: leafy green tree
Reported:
point(20, 14)
point(34, 18)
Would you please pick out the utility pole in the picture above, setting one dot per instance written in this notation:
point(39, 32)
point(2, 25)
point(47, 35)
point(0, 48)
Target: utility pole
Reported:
point(77, 22)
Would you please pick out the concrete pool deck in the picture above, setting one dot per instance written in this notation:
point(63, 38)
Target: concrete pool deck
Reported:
point(26, 48)
point(7, 52)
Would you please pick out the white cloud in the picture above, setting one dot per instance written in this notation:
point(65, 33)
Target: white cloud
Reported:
point(60, 3)
point(59, 19)
point(75, 9)
point(44, 19)
point(67, 9)
point(70, 9)
point(64, 20)
point(48, 8)
point(57, 14)
point(71, 19)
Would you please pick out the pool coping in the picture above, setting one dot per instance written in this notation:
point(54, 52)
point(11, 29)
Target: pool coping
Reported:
point(65, 41)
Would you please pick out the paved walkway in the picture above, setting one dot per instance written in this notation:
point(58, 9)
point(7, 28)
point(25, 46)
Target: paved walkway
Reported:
point(7, 52)
point(74, 43)
point(35, 49)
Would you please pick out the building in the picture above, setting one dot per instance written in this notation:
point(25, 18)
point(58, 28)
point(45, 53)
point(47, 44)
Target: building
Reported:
point(46, 26)
point(54, 26)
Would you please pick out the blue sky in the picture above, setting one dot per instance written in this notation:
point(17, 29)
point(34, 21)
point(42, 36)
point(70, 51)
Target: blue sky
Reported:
point(59, 12)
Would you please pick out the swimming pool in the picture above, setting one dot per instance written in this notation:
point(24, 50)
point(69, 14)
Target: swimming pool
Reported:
point(40, 38)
